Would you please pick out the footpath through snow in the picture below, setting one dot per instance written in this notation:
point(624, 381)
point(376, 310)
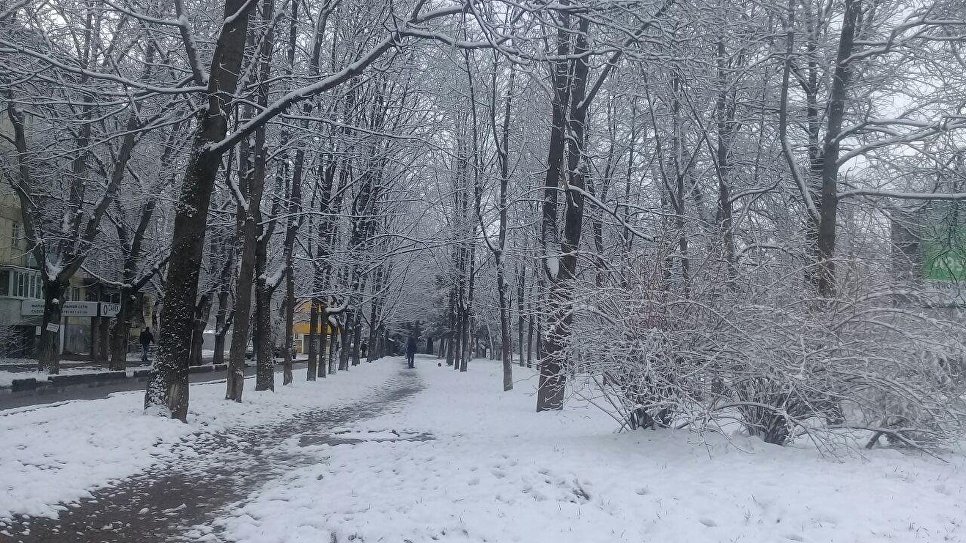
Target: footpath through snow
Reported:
point(383, 453)
point(494, 470)
point(54, 456)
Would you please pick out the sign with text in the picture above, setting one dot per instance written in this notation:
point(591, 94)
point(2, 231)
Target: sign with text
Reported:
point(943, 243)
point(109, 309)
point(32, 308)
point(79, 309)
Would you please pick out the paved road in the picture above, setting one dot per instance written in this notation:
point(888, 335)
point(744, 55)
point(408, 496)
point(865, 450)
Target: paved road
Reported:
point(10, 400)
point(162, 504)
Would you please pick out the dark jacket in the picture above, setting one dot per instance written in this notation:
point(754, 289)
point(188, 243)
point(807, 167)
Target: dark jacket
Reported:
point(411, 345)
point(146, 337)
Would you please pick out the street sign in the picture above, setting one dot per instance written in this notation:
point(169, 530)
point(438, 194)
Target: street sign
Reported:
point(944, 255)
point(943, 242)
point(35, 308)
point(79, 309)
point(109, 309)
point(32, 308)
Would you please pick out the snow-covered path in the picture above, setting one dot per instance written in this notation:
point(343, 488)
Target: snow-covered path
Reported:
point(495, 470)
point(201, 474)
point(383, 453)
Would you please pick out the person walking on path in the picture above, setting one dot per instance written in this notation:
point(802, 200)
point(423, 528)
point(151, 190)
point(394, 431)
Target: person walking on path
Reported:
point(147, 338)
point(411, 346)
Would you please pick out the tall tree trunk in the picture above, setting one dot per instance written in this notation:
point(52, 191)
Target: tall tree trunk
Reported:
point(313, 348)
point(243, 300)
point(252, 180)
point(264, 352)
point(121, 332)
point(451, 332)
point(828, 202)
point(222, 321)
point(521, 291)
point(95, 350)
point(503, 153)
point(168, 384)
point(325, 343)
point(288, 344)
point(287, 361)
point(329, 352)
point(468, 319)
point(726, 131)
point(530, 324)
point(104, 330)
point(458, 347)
point(346, 338)
point(202, 311)
point(51, 323)
point(356, 338)
point(550, 388)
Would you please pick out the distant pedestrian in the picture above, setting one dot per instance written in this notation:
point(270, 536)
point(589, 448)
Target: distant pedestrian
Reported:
point(147, 338)
point(412, 345)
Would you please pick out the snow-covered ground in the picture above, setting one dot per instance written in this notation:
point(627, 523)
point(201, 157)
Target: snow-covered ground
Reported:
point(496, 470)
point(463, 461)
point(59, 452)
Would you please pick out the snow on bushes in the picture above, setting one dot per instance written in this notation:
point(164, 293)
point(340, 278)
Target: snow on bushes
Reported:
point(784, 364)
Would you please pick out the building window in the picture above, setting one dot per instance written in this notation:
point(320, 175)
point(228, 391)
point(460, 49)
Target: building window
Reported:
point(36, 289)
point(21, 283)
point(14, 234)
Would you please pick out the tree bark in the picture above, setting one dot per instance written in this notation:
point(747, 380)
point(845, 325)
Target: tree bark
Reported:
point(313, 349)
point(121, 332)
point(223, 316)
point(828, 202)
point(550, 388)
point(168, 383)
point(202, 311)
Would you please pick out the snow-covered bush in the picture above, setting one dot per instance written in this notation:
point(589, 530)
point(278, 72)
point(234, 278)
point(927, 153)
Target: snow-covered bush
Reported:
point(13, 344)
point(781, 363)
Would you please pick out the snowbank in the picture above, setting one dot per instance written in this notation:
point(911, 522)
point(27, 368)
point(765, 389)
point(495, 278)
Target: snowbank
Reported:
point(497, 471)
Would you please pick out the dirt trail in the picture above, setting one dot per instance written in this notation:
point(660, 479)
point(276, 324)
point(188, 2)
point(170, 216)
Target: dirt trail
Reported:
point(163, 503)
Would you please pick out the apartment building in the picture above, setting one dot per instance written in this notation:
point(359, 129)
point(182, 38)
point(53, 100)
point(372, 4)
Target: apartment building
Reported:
point(21, 288)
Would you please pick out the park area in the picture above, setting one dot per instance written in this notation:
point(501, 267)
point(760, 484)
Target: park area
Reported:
point(386, 453)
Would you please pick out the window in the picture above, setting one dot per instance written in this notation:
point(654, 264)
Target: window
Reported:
point(36, 286)
point(15, 234)
point(21, 284)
